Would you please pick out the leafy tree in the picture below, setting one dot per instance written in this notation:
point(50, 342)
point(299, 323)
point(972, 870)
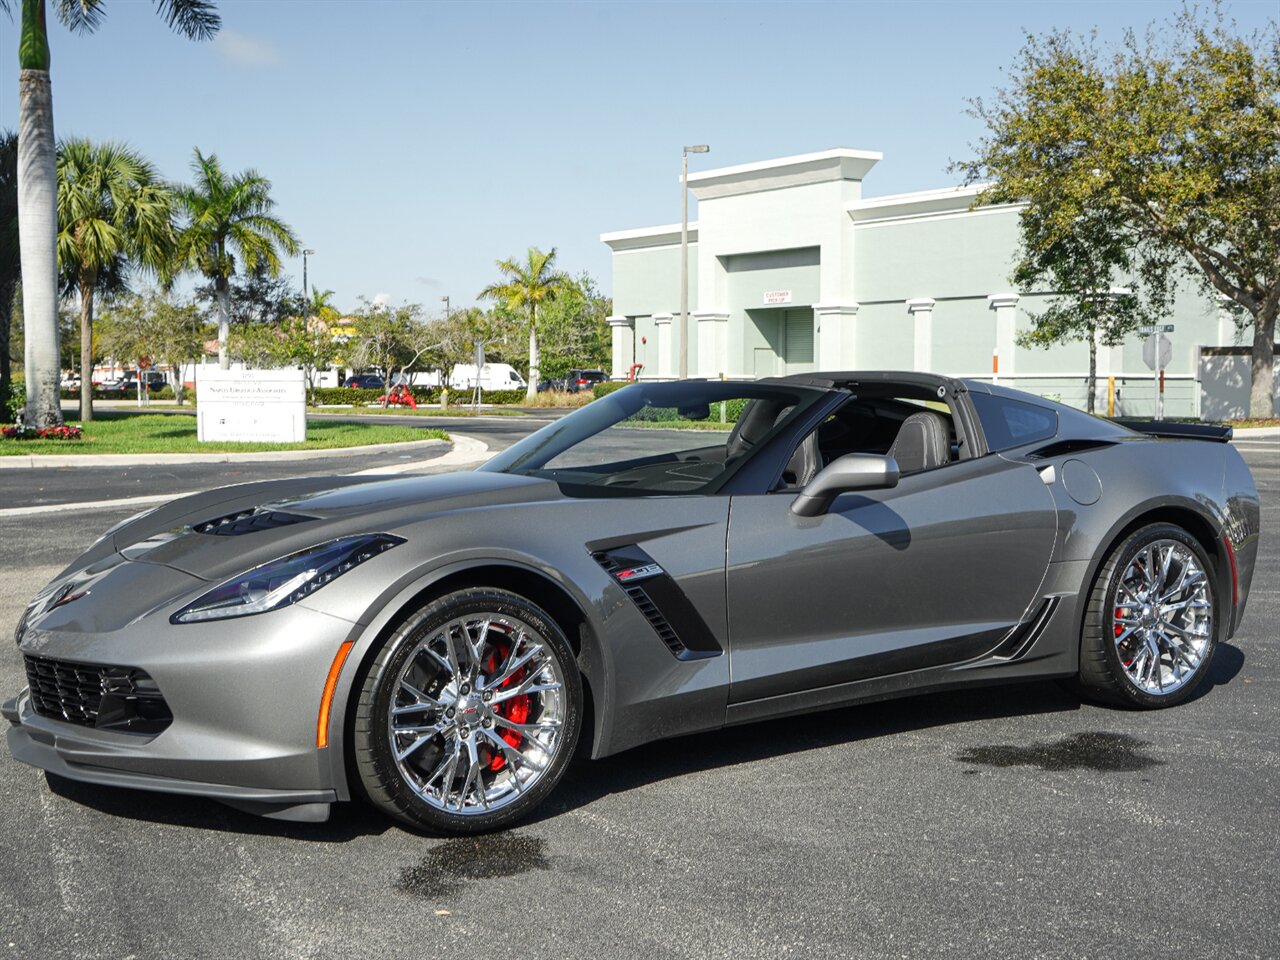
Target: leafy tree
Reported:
point(229, 217)
point(574, 333)
point(155, 325)
point(113, 213)
point(455, 337)
point(306, 342)
point(38, 186)
point(389, 340)
point(10, 260)
point(528, 286)
point(255, 296)
point(1173, 136)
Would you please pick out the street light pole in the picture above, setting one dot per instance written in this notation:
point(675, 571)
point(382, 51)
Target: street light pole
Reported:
point(307, 252)
point(684, 255)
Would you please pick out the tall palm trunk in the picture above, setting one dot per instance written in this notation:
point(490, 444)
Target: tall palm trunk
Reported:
point(87, 281)
point(38, 229)
point(1262, 392)
point(531, 389)
point(6, 374)
point(223, 289)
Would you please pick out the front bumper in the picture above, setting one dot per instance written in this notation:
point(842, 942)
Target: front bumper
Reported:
point(244, 697)
point(54, 746)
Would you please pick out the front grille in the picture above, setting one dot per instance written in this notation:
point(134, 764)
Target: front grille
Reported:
point(248, 521)
point(102, 697)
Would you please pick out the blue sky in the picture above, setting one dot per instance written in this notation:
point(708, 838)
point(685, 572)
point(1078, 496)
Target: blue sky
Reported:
point(413, 143)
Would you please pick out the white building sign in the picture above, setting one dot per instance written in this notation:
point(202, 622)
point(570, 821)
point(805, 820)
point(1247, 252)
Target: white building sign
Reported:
point(777, 296)
point(254, 406)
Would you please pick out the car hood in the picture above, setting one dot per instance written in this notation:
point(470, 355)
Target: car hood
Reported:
point(263, 521)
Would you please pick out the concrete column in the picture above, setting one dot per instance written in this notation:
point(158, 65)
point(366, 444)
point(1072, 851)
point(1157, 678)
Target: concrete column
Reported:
point(713, 344)
point(666, 358)
point(835, 335)
point(622, 331)
point(921, 310)
point(1006, 307)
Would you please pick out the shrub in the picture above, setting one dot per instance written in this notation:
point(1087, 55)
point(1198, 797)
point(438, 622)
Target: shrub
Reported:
point(608, 386)
point(561, 398)
point(64, 432)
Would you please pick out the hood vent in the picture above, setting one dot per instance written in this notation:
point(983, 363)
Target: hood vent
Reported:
point(248, 521)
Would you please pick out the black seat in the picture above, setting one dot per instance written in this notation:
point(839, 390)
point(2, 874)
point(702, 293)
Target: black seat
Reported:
point(923, 442)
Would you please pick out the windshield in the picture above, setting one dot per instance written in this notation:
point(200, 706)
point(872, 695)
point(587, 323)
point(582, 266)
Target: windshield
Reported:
point(661, 438)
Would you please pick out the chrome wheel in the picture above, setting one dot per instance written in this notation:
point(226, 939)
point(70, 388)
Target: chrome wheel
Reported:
point(1162, 620)
point(478, 713)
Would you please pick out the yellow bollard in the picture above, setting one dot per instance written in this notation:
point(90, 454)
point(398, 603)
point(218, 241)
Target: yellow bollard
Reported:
point(1111, 396)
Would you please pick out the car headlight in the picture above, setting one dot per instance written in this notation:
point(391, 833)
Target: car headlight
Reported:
point(285, 581)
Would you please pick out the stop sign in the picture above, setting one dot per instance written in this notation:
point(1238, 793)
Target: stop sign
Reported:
point(1157, 347)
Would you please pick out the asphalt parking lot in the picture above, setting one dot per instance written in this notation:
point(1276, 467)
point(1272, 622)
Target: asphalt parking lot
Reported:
point(1011, 822)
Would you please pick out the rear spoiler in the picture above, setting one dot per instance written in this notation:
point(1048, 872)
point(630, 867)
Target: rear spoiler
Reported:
point(1173, 430)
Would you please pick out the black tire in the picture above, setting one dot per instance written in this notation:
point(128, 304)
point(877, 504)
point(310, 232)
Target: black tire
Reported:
point(1103, 676)
point(385, 784)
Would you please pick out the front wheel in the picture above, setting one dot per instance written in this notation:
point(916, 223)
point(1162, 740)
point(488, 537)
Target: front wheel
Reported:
point(1150, 627)
point(470, 713)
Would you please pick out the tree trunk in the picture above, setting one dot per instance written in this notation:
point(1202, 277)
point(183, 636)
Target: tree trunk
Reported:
point(531, 389)
point(86, 348)
point(6, 374)
point(1262, 391)
point(223, 289)
point(1091, 403)
point(37, 230)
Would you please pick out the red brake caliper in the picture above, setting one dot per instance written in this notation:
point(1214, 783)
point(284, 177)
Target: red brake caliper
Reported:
point(516, 709)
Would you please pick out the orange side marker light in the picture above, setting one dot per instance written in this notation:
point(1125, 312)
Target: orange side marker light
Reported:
point(326, 700)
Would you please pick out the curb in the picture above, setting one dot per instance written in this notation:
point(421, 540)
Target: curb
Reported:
point(1249, 433)
point(467, 451)
point(30, 460)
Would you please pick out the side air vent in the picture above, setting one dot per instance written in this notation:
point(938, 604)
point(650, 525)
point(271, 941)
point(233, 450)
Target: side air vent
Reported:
point(1064, 447)
point(660, 601)
point(248, 521)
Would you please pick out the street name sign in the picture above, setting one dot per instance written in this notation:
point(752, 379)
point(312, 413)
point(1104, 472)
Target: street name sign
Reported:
point(250, 406)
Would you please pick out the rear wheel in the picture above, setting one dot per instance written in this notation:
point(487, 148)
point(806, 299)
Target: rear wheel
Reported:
point(469, 714)
point(1150, 627)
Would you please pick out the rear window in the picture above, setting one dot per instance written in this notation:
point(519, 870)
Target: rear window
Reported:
point(1011, 423)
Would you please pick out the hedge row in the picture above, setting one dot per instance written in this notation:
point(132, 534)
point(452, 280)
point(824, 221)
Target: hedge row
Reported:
point(606, 387)
point(325, 396)
point(164, 393)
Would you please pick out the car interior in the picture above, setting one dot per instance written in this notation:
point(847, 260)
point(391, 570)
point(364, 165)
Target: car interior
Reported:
point(904, 421)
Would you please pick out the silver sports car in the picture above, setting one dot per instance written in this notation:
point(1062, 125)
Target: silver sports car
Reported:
point(671, 558)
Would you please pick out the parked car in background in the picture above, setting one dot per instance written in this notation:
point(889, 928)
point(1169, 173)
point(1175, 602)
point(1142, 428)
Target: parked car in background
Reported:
point(71, 381)
point(577, 380)
point(492, 376)
point(365, 381)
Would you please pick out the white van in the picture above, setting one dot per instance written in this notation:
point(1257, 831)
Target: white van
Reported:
point(492, 376)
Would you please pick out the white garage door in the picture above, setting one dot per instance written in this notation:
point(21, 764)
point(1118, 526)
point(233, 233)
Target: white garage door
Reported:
point(797, 340)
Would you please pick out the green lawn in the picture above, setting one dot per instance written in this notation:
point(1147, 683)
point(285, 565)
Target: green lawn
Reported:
point(116, 432)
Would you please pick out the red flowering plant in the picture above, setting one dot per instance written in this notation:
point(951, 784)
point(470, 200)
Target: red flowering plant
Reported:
point(62, 432)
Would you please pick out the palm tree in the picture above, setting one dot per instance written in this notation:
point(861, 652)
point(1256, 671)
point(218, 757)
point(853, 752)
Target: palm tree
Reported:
point(38, 178)
point(526, 286)
point(113, 212)
point(229, 216)
point(10, 263)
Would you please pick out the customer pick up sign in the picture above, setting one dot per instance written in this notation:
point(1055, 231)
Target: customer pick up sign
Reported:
point(255, 406)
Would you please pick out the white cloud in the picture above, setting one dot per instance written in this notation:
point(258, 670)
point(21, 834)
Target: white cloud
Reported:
point(244, 49)
point(381, 299)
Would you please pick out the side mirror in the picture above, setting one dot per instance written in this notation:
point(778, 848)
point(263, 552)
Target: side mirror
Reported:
point(853, 471)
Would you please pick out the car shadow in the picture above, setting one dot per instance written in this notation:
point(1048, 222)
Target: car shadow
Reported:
point(589, 780)
point(346, 822)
